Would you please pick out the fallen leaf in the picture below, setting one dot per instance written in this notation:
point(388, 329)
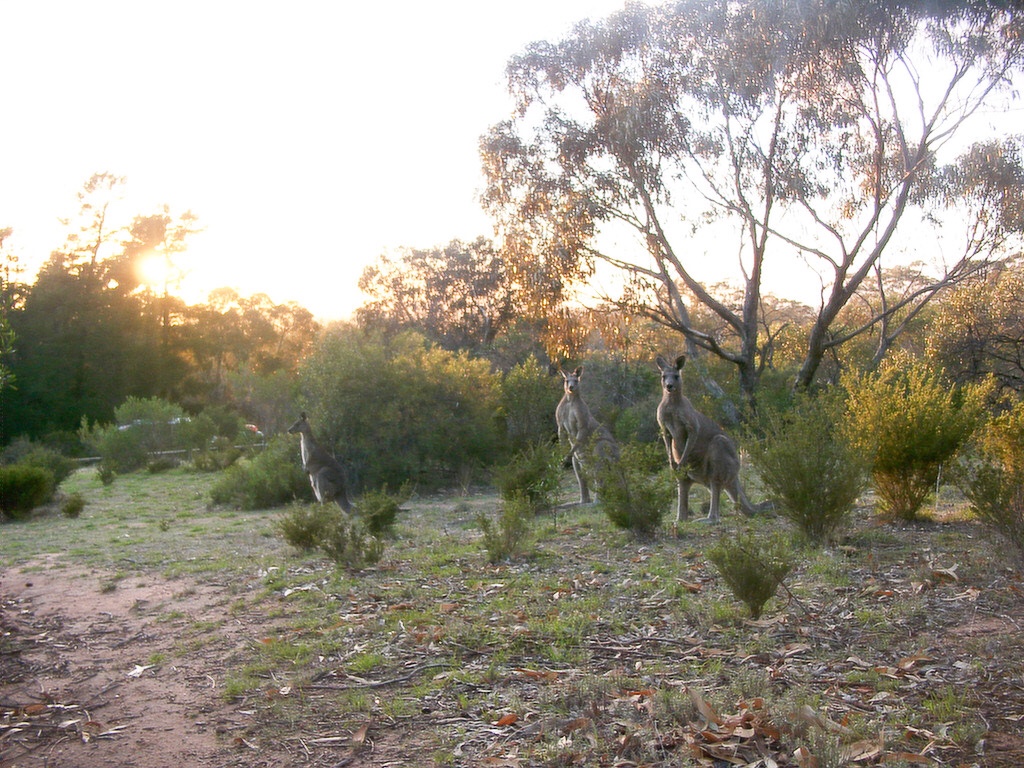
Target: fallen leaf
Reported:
point(862, 751)
point(139, 669)
point(359, 737)
point(705, 709)
point(508, 719)
point(908, 757)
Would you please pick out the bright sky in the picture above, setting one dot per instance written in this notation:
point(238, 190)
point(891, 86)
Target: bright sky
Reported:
point(308, 136)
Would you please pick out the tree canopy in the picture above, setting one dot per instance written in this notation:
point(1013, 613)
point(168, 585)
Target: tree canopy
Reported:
point(801, 136)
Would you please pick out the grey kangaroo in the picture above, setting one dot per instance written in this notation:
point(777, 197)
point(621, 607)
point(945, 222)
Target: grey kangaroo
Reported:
point(577, 423)
point(698, 450)
point(326, 475)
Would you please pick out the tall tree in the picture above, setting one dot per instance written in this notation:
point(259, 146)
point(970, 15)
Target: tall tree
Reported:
point(796, 134)
point(460, 296)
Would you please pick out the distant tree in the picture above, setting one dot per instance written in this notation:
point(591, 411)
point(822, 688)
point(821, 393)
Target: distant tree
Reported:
point(98, 334)
point(232, 338)
point(6, 302)
point(813, 130)
point(978, 330)
point(460, 296)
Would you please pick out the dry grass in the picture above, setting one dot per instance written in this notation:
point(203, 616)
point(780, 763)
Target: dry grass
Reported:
point(901, 645)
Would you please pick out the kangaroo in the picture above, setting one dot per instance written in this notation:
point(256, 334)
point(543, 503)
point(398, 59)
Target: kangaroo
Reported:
point(577, 423)
point(326, 475)
point(698, 450)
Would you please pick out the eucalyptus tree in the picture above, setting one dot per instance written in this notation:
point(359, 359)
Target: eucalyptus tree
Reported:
point(459, 296)
point(806, 138)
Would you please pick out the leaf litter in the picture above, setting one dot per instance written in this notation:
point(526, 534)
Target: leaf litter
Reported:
point(478, 666)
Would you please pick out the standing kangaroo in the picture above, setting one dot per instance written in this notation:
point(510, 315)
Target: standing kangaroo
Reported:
point(326, 475)
point(577, 423)
point(698, 450)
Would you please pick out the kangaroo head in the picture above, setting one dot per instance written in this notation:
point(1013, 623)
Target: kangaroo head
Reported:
point(299, 425)
point(671, 376)
point(572, 380)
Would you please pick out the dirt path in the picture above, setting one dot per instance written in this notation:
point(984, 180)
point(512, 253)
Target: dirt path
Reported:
point(95, 670)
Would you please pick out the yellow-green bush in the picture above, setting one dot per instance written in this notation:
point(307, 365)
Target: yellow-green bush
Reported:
point(910, 421)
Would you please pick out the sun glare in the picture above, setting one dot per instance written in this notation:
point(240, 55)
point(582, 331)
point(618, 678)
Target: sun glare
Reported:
point(154, 271)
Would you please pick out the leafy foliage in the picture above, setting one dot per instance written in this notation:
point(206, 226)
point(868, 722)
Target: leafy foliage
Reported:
point(399, 409)
point(378, 510)
point(142, 427)
point(753, 567)
point(460, 296)
point(270, 479)
point(533, 474)
point(807, 463)
point(507, 536)
point(348, 542)
point(910, 422)
point(37, 455)
point(24, 487)
point(72, 505)
point(780, 126)
point(303, 526)
point(528, 401)
point(991, 476)
point(636, 491)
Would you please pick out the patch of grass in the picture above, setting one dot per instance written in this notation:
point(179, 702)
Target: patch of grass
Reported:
point(594, 627)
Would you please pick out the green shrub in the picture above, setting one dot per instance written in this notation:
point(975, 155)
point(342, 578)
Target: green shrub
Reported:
point(270, 479)
point(36, 455)
point(809, 467)
point(753, 568)
point(348, 543)
point(24, 487)
point(161, 464)
point(910, 422)
point(533, 474)
point(72, 505)
point(397, 409)
point(304, 525)
point(528, 401)
point(219, 456)
point(143, 426)
point(378, 510)
point(636, 490)
point(508, 536)
point(991, 476)
point(106, 473)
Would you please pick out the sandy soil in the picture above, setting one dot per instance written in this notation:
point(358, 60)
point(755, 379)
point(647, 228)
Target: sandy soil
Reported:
point(84, 667)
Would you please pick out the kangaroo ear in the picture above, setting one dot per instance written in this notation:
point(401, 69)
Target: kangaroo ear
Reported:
point(680, 361)
point(302, 415)
point(578, 371)
point(661, 362)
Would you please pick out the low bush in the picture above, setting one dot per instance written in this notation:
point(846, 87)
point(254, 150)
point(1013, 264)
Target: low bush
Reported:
point(24, 487)
point(378, 510)
point(351, 542)
point(348, 542)
point(508, 536)
point(35, 455)
point(636, 491)
point(991, 476)
point(72, 505)
point(270, 479)
point(809, 466)
point(304, 525)
point(532, 474)
point(910, 422)
point(753, 568)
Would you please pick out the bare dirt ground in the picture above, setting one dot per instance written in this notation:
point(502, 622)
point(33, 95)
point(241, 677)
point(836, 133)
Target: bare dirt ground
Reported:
point(92, 676)
point(82, 669)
